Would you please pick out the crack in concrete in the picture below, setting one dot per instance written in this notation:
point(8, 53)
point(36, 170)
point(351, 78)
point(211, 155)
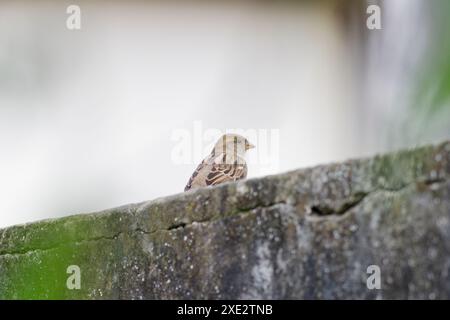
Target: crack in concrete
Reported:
point(182, 225)
point(326, 210)
point(323, 211)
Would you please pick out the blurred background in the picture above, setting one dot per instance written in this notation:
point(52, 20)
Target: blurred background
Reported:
point(87, 117)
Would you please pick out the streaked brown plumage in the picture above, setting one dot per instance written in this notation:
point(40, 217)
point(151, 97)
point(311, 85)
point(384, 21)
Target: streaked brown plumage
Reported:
point(225, 163)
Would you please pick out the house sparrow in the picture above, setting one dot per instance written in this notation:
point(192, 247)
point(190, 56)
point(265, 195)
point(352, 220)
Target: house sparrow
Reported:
point(226, 162)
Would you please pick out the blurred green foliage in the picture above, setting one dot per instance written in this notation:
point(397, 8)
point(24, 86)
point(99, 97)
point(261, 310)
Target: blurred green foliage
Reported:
point(432, 92)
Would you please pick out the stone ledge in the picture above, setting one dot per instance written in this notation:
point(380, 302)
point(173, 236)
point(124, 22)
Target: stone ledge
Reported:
point(308, 233)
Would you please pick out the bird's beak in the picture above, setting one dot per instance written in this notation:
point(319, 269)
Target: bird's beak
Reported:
point(249, 146)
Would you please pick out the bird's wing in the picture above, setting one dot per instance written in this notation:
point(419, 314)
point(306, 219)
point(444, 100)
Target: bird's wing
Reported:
point(222, 172)
point(200, 167)
point(215, 170)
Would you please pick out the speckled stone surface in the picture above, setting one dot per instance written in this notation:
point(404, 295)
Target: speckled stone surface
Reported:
point(305, 234)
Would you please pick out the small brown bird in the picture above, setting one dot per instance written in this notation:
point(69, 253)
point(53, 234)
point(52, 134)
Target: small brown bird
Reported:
point(225, 163)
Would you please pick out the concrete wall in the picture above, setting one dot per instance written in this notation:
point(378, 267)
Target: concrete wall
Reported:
point(305, 234)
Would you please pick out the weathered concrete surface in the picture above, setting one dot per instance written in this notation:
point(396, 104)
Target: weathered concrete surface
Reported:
point(304, 234)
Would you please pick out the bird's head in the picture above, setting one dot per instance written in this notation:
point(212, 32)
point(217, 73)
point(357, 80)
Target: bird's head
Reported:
point(232, 144)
